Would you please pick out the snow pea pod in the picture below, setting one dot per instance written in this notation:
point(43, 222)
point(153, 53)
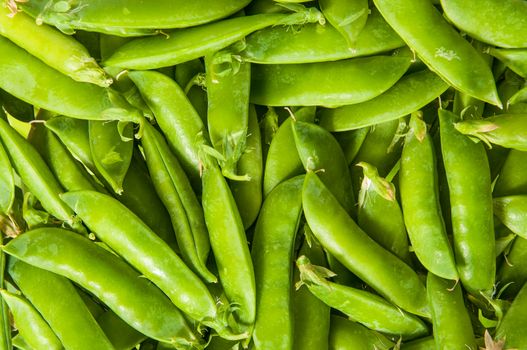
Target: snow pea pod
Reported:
point(326, 83)
point(419, 186)
point(360, 306)
point(515, 59)
point(7, 182)
point(30, 323)
point(341, 236)
point(348, 17)
point(511, 212)
point(60, 305)
point(506, 130)
point(102, 273)
point(345, 334)
point(426, 343)
point(491, 21)
point(452, 325)
point(187, 44)
point(441, 47)
point(471, 205)
point(511, 179)
point(513, 271)
point(511, 328)
point(319, 43)
point(409, 94)
point(272, 253)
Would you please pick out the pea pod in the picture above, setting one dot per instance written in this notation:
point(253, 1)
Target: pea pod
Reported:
point(275, 232)
point(315, 84)
point(360, 306)
point(511, 180)
point(17, 108)
point(121, 335)
point(491, 21)
point(409, 94)
point(134, 299)
point(351, 142)
point(513, 271)
point(516, 60)
point(348, 17)
point(426, 343)
point(341, 236)
point(511, 327)
point(30, 324)
point(60, 305)
point(7, 182)
point(471, 205)
point(345, 334)
point(511, 212)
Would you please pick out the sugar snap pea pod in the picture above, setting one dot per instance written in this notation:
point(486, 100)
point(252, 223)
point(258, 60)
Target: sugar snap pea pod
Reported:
point(409, 94)
point(515, 59)
point(341, 236)
point(511, 328)
point(513, 271)
point(426, 343)
point(348, 17)
point(506, 130)
point(438, 45)
point(7, 182)
point(174, 189)
point(187, 44)
point(272, 253)
point(121, 335)
point(72, 59)
point(520, 97)
point(327, 83)
point(511, 212)
point(380, 215)
point(30, 324)
point(361, 306)
point(282, 162)
point(229, 244)
point(491, 21)
point(56, 299)
point(129, 237)
point(102, 273)
point(345, 334)
point(248, 194)
point(511, 180)
point(452, 326)
point(351, 142)
point(318, 149)
point(419, 186)
point(471, 205)
point(17, 108)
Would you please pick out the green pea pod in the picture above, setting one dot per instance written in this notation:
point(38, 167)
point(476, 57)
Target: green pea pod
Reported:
point(419, 186)
point(516, 60)
point(426, 343)
point(471, 205)
point(360, 306)
point(345, 334)
point(191, 43)
point(506, 130)
point(190, 75)
point(30, 323)
point(174, 189)
point(409, 94)
point(16, 108)
point(60, 305)
point(380, 215)
point(5, 326)
point(121, 335)
point(275, 232)
point(341, 236)
point(102, 273)
point(248, 194)
point(229, 244)
point(452, 326)
point(442, 48)
point(511, 212)
point(513, 271)
point(519, 98)
point(36, 175)
point(20, 343)
point(281, 163)
point(315, 84)
point(511, 180)
point(318, 150)
point(512, 325)
point(491, 21)
point(351, 142)
point(348, 17)
point(7, 182)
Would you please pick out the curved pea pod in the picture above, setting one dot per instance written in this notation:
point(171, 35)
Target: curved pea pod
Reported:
point(348, 17)
point(121, 335)
point(471, 205)
point(345, 334)
point(341, 236)
point(491, 21)
point(7, 182)
point(187, 44)
point(516, 60)
point(15, 107)
point(326, 83)
point(452, 325)
point(174, 189)
point(409, 94)
point(425, 343)
point(30, 324)
point(513, 271)
point(360, 306)
point(56, 299)
point(281, 163)
point(519, 98)
point(511, 328)
point(506, 130)
point(38, 84)
point(418, 181)
point(511, 211)
point(272, 253)
point(318, 150)
point(319, 43)
point(380, 215)
point(511, 180)
point(103, 16)
point(441, 47)
point(110, 279)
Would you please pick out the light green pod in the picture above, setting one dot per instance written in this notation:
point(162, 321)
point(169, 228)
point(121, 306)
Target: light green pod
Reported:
point(347, 335)
point(348, 17)
point(516, 60)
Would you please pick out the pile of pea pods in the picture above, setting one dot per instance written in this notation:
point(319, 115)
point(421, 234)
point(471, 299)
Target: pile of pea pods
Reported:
point(263, 175)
